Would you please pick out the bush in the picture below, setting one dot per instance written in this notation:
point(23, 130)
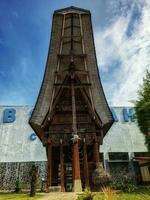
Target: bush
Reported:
point(123, 183)
point(18, 186)
point(109, 193)
point(87, 195)
point(98, 197)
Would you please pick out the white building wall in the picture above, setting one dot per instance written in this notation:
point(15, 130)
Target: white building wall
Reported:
point(123, 136)
point(16, 145)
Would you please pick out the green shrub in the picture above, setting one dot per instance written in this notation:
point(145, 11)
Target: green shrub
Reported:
point(109, 193)
point(123, 183)
point(18, 186)
point(98, 197)
point(87, 195)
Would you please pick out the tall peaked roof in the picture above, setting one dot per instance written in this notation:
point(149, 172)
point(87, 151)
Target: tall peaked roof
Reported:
point(71, 41)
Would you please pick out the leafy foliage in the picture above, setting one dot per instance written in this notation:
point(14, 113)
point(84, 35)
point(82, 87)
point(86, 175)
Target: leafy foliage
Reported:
point(142, 108)
point(124, 183)
point(87, 195)
point(18, 186)
point(109, 193)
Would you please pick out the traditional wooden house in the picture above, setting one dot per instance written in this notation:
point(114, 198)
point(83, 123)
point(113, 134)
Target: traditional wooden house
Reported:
point(71, 115)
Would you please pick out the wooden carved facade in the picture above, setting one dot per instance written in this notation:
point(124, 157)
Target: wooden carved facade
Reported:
point(71, 115)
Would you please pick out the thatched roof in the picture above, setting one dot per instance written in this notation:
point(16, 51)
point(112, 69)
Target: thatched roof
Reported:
point(83, 35)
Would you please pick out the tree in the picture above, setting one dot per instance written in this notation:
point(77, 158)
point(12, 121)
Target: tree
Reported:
point(142, 108)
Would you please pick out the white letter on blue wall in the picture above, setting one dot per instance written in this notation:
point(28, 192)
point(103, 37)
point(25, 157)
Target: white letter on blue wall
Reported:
point(128, 114)
point(9, 115)
point(114, 115)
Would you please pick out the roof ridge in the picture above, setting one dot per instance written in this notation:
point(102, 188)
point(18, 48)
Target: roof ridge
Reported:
point(71, 8)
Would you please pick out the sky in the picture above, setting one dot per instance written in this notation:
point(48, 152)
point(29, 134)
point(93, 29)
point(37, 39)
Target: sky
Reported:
point(122, 40)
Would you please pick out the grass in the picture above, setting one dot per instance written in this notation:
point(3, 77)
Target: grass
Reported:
point(13, 196)
point(109, 194)
point(140, 194)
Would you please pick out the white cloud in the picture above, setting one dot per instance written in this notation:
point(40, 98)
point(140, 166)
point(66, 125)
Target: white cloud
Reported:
point(133, 52)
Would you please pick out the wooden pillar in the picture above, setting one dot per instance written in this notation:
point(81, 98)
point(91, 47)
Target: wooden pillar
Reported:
point(86, 171)
point(76, 162)
point(62, 177)
point(96, 151)
point(49, 167)
point(76, 168)
point(74, 118)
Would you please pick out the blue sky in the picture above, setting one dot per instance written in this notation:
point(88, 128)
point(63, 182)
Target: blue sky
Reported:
point(122, 40)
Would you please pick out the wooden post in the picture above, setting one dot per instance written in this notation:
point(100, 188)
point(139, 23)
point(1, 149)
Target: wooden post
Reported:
point(49, 170)
point(76, 162)
point(76, 168)
point(86, 171)
point(96, 151)
point(74, 119)
point(62, 177)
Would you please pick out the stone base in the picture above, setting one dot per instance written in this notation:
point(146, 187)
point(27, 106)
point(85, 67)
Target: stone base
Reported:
point(54, 189)
point(100, 176)
point(77, 186)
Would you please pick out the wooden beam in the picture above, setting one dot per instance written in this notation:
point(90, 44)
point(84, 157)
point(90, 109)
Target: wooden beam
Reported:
point(74, 36)
point(77, 71)
point(49, 115)
point(76, 162)
point(74, 41)
point(86, 171)
point(76, 85)
point(91, 111)
point(74, 26)
point(62, 175)
point(74, 55)
point(49, 167)
point(61, 85)
point(96, 150)
point(74, 119)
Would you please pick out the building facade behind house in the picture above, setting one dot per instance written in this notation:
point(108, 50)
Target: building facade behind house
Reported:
point(20, 147)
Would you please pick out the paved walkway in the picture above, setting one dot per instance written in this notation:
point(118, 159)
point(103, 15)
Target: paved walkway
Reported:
point(60, 196)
